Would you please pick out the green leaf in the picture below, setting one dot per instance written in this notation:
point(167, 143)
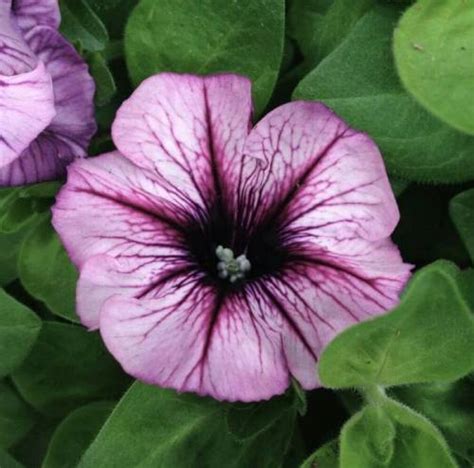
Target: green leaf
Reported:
point(46, 271)
point(425, 232)
point(319, 26)
point(104, 80)
point(247, 420)
point(451, 407)
point(462, 213)
point(434, 53)
point(68, 367)
point(9, 250)
point(392, 436)
point(428, 337)
point(75, 434)
point(16, 211)
point(16, 418)
point(113, 13)
point(81, 25)
point(19, 328)
point(358, 80)
point(326, 456)
point(209, 36)
point(7, 461)
point(153, 427)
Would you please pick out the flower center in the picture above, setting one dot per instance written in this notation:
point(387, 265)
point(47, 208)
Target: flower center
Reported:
point(229, 267)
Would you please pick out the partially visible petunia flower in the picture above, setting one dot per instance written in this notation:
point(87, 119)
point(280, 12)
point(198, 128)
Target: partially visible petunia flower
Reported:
point(220, 259)
point(46, 95)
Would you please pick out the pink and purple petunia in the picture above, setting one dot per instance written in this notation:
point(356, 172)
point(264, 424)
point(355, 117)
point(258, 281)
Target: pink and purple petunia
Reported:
point(46, 95)
point(219, 258)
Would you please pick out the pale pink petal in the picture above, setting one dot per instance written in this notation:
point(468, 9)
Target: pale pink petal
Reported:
point(30, 13)
point(26, 109)
point(189, 131)
point(192, 338)
point(304, 168)
point(15, 55)
point(107, 209)
point(246, 345)
point(69, 133)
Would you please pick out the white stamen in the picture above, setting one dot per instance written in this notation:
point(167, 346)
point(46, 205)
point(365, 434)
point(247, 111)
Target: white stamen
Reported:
point(229, 267)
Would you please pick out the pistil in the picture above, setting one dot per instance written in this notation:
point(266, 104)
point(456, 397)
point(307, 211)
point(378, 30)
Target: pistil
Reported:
point(229, 267)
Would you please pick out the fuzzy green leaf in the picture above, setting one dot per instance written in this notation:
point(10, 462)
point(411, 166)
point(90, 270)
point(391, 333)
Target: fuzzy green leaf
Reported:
point(428, 337)
point(434, 53)
point(75, 434)
point(68, 367)
point(46, 271)
point(358, 80)
point(153, 427)
point(393, 436)
point(19, 328)
point(16, 418)
point(462, 213)
point(209, 36)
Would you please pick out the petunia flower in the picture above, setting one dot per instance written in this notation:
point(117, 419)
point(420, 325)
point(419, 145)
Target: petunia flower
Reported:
point(220, 259)
point(46, 95)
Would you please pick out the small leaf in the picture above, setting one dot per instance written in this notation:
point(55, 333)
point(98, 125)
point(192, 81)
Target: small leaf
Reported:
point(114, 14)
point(104, 80)
point(326, 456)
point(46, 271)
point(247, 420)
point(451, 407)
point(462, 213)
point(16, 418)
point(7, 461)
point(154, 427)
point(392, 436)
point(19, 328)
point(358, 81)
point(68, 367)
point(428, 337)
point(434, 53)
point(209, 36)
point(75, 433)
point(320, 26)
point(81, 25)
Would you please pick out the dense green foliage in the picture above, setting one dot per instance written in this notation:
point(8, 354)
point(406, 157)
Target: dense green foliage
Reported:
point(399, 388)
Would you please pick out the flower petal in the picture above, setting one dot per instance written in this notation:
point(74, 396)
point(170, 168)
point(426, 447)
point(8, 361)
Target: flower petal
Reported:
point(31, 13)
point(192, 339)
point(304, 167)
point(15, 55)
point(189, 131)
point(27, 108)
point(246, 345)
point(69, 133)
point(107, 208)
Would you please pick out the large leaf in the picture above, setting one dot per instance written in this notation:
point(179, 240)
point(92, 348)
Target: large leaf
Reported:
point(428, 337)
point(358, 80)
point(75, 434)
point(392, 436)
point(19, 328)
point(434, 53)
point(451, 407)
point(46, 271)
point(16, 418)
point(153, 427)
point(462, 213)
point(208, 36)
point(68, 367)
